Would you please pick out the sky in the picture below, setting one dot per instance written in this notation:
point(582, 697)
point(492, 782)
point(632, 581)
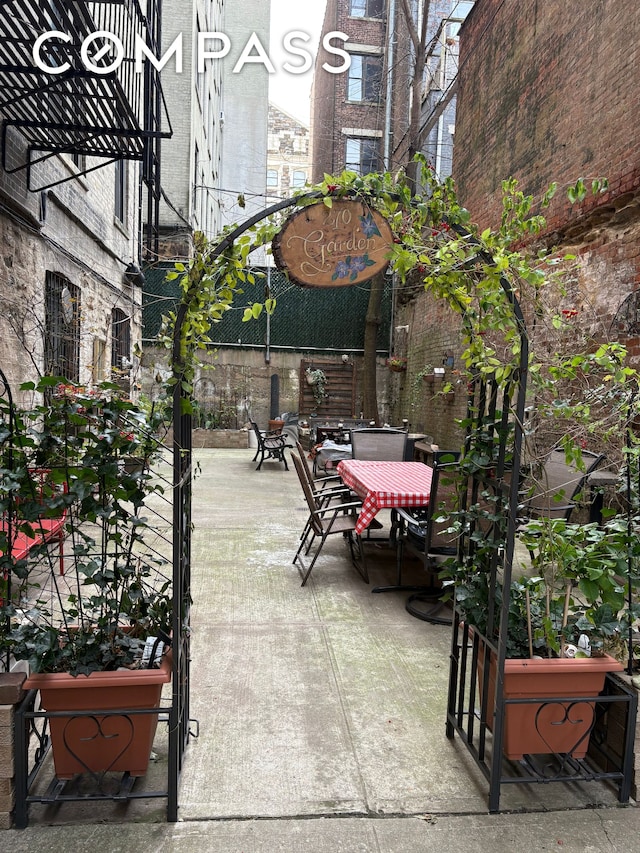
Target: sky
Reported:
point(287, 90)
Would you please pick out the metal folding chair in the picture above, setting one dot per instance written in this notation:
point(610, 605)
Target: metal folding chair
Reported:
point(424, 532)
point(325, 520)
point(555, 492)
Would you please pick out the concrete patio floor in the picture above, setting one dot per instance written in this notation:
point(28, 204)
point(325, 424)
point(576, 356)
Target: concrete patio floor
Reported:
point(321, 710)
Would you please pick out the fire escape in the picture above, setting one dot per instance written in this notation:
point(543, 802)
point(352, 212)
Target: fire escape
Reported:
point(96, 105)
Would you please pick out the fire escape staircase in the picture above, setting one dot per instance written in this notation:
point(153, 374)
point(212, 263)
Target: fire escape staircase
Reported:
point(81, 111)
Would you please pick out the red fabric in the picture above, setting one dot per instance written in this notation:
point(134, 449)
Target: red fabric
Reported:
point(44, 531)
point(385, 485)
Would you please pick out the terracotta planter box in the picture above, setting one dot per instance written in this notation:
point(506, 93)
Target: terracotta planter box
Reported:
point(550, 727)
point(113, 742)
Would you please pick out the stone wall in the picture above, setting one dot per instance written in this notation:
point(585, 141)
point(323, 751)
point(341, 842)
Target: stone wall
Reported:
point(71, 231)
point(241, 375)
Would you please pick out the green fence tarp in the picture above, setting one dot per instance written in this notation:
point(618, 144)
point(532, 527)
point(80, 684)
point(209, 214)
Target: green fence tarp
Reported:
point(304, 318)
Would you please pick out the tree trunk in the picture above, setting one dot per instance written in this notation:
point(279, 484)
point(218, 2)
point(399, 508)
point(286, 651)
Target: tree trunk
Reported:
point(372, 326)
point(419, 41)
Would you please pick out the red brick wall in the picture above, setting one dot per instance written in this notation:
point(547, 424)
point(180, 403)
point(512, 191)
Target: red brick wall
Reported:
point(432, 332)
point(330, 112)
point(550, 92)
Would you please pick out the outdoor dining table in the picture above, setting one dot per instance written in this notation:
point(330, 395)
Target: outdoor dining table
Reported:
point(385, 485)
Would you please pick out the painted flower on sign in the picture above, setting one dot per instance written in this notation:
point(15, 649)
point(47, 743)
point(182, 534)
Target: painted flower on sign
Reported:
point(368, 225)
point(351, 267)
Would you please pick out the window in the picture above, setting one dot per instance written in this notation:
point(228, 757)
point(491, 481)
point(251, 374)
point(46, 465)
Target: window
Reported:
point(62, 328)
point(120, 207)
point(362, 156)
point(299, 178)
point(363, 82)
point(272, 178)
point(458, 15)
point(120, 342)
point(365, 8)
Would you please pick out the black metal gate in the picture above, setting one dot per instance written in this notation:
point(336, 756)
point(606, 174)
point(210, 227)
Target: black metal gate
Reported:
point(477, 706)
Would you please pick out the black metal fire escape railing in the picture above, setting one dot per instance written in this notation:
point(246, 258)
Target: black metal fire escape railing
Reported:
point(62, 101)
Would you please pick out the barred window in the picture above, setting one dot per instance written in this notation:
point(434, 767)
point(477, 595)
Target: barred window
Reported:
point(120, 340)
point(62, 328)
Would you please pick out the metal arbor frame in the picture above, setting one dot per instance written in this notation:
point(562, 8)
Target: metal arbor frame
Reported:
point(499, 418)
point(497, 424)
point(489, 505)
point(35, 781)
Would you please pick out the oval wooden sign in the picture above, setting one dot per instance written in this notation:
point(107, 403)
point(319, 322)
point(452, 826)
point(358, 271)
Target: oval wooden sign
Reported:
point(336, 246)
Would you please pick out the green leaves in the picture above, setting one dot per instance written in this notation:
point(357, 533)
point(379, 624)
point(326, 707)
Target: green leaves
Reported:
point(86, 465)
point(578, 191)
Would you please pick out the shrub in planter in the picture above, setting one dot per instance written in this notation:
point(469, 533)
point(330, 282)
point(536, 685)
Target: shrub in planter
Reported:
point(559, 622)
point(93, 613)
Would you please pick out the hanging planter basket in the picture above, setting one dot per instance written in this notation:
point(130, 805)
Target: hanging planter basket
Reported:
point(397, 365)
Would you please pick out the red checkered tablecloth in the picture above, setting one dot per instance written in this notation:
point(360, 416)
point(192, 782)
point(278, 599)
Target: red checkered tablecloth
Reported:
point(385, 485)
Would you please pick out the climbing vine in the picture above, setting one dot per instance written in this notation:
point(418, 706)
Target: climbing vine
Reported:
point(433, 240)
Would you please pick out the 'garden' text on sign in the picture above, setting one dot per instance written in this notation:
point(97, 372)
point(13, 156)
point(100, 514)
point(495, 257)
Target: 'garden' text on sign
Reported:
point(344, 244)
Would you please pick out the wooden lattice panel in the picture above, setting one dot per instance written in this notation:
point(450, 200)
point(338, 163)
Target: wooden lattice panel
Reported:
point(340, 388)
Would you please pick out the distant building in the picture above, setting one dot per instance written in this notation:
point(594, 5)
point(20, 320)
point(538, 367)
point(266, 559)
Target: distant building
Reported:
point(288, 165)
point(213, 168)
point(361, 117)
point(348, 109)
point(245, 107)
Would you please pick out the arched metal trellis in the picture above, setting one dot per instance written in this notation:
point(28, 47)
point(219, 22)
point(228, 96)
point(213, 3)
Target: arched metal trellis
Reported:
point(477, 704)
point(496, 427)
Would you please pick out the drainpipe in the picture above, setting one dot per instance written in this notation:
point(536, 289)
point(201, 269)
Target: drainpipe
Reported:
point(439, 147)
point(391, 18)
point(267, 351)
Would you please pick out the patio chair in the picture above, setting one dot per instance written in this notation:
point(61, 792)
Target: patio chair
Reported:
point(379, 444)
point(555, 492)
point(424, 532)
point(324, 489)
point(330, 481)
point(326, 520)
point(271, 445)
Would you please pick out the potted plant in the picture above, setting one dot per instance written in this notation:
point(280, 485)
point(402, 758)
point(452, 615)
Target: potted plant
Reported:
point(317, 379)
point(95, 626)
point(397, 364)
point(561, 617)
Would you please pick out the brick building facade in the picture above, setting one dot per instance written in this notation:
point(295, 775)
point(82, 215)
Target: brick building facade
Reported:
point(546, 96)
point(348, 112)
point(543, 96)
